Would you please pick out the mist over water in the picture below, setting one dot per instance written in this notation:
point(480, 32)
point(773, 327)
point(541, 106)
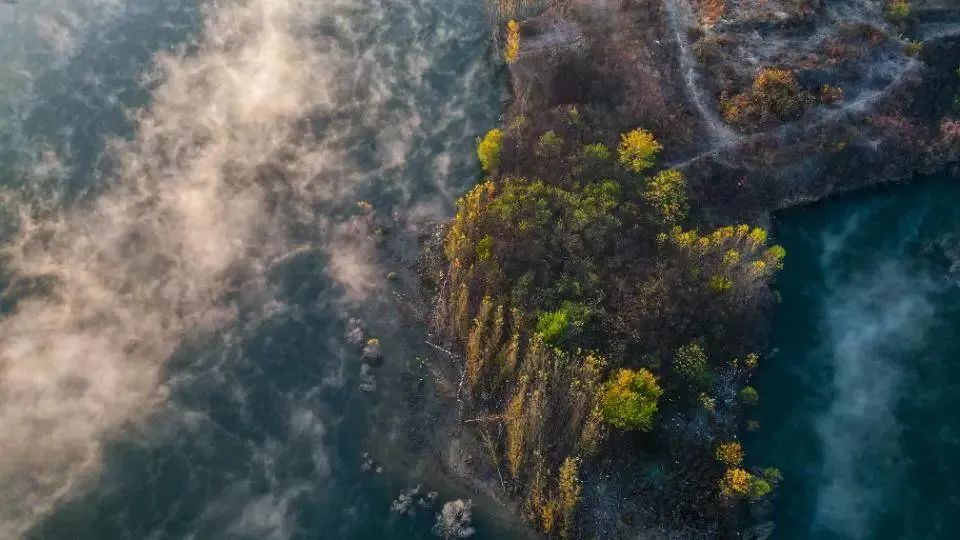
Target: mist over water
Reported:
point(182, 252)
point(858, 398)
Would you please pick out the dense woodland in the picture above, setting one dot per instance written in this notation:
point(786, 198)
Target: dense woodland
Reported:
point(594, 317)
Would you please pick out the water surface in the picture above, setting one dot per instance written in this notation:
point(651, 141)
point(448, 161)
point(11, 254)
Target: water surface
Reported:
point(859, 399)
point(183, 254)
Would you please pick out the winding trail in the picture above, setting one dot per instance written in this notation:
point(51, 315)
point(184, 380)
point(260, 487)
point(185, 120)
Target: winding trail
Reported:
point(680, 18)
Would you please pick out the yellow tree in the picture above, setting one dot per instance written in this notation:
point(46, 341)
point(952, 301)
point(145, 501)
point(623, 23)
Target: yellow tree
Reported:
point(513, 42)
point(638, 150)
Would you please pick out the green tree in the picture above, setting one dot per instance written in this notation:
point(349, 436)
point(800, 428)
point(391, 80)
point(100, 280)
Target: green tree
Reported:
point(489, 150)
point(629, 399)
point(549, 145)
point(595, 152)
point(638, 150)
point(690, 364)
point(749, 396)
point(558, 327)
point(758, 489)
point(666, 194)
point(898, 10)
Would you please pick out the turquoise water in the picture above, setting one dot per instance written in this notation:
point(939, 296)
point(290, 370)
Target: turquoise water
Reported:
point(184, 259)
point(859, 397)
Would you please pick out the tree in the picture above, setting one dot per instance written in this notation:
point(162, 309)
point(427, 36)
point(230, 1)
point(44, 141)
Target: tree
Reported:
point(595, 152)
point(568, 496)
point(775, 96)
point(730, 454)
point(749, 396)
point(690, 364)
point(454, 520)
point(552, 326)
point(898, 10)
point(666, 194)
point(549, 145)
point(513, 42)
point(735, 482)
point(629, 399)
point(559, 327)
point(489, 150)
point(638, 150)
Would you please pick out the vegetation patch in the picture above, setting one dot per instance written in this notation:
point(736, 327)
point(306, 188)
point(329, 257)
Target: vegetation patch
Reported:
point(588, 306)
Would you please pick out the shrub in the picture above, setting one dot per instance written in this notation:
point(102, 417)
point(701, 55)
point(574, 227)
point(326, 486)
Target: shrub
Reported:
point(638, 150)
point(629, 399)
point(666, 193)
point(730, 454)
point(489, 150)
point(513, 42)
point(749, 396)
point(549, 145)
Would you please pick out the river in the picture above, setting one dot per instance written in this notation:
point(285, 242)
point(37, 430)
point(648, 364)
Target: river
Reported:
point(184, 259)
point(858, 399)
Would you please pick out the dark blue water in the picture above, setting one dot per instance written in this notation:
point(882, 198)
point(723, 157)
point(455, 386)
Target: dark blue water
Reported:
point(184, 253)
point(859, 399)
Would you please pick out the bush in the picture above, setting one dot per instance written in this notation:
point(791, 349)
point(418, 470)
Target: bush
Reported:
point(638, 150)
point(629, 399)
point(489, 150)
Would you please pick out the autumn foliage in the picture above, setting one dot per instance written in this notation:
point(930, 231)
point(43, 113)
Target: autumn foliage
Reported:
point(586, 303)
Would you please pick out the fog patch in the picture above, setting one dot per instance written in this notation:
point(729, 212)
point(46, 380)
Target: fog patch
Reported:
point(873, 321)
point(203, 198)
